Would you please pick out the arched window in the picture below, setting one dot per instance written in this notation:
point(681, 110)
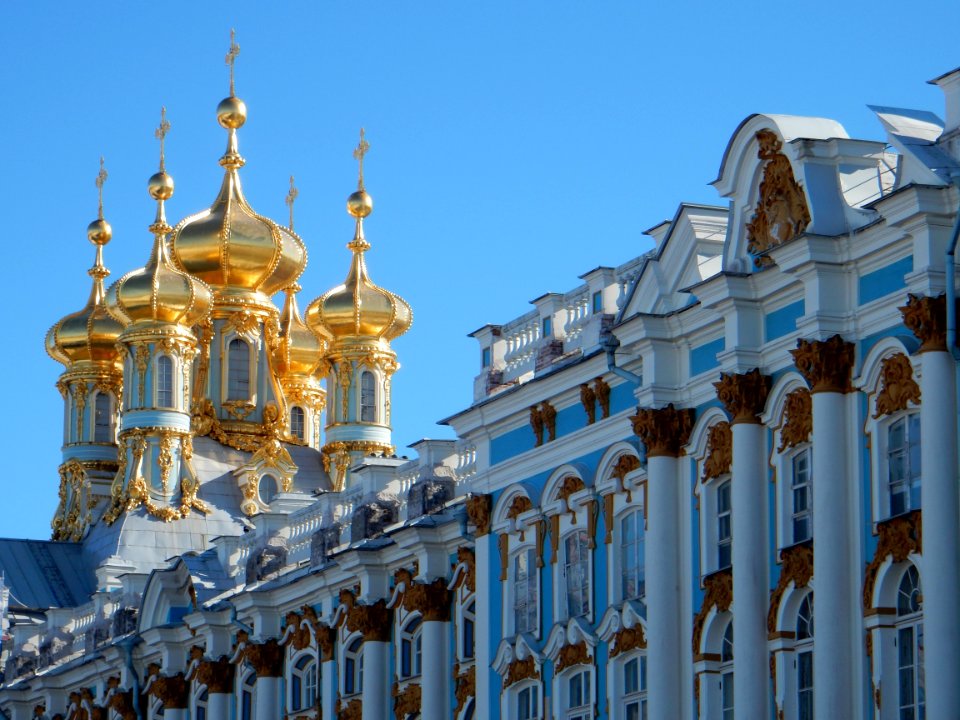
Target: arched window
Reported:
point(726, 673)
point(578, 696)
point(633, 571)
point(102, 419)
point(238, 370)
point(297, 422)
point(526, 580)
point(353, 668)
point(635, 688)
point(804, 651)
point(903, 464)
point(724, 526)
point(910, 645)
point(411, 649)
point(576, 573)
point(164, 382)
point(528, 703)
point(368, 397)
point(246, 696)
point(468, 632)
point(303, 684)
point(268, 489)
point(200, 707)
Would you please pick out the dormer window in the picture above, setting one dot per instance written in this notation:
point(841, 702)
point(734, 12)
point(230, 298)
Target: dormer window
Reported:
point(238, 374)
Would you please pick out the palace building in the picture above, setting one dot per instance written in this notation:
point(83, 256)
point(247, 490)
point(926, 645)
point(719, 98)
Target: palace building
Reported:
point(718, 481)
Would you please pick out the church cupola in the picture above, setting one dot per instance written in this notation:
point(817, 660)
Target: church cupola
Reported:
point(362, 319)
point(158, 306)
point(245, 258)
point(91, 384)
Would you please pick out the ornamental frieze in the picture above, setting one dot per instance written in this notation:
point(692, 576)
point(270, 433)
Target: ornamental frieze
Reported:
point(897, 538)
point(627, 639)
point(926, 317)
point(796, 567)
point(781, 213)
point(718, 592)
point(570, 655)
point(826, 365)
point(797, 419)
point(479, 512)
point(719, 456)
point(664, 432)
point(897, 387)
point(521, 670)
point(744, 396)
point(406, 702)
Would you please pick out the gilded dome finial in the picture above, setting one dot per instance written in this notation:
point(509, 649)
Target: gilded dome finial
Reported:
point(360, 204)
point(232, 54)
point(99, 231)
point(232, 113)
point(160, 184)
point(289, 200)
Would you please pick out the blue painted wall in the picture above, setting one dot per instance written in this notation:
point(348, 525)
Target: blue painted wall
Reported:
point(704, 357)
point(885, 280)
point(782, 322)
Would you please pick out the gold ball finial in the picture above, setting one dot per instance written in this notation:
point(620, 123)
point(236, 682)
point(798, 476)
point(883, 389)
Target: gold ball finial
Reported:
point(160, 186)
point(231, 113)
point(99, 232)
point(360, 204)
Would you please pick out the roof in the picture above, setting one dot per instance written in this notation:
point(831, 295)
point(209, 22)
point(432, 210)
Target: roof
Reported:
point(41, 574)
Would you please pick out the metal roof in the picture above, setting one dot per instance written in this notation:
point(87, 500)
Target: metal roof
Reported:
point(41, 574)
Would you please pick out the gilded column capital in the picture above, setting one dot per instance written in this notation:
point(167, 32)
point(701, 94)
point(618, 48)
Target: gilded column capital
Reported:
point(217, 675)
point(173, 691)
point(266, 658)
point(664, 431)
point(326, 637)
point(926, 317)
point(479, 512)
point(372, 621)
point(744, 396)
point(826, 365)
point(431, 600)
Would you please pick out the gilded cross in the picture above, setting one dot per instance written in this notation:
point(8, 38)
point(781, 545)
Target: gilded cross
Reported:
point(232, 55)
point(101, 179)
point(160, 133)
point(291, 197)
point(361, 150)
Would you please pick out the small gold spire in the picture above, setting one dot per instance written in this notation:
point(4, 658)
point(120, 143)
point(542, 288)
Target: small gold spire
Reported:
point(358, 154)
point(161, 133)
point(290, 199)
point(101, 179)
point(232, 56)
point(160, 184)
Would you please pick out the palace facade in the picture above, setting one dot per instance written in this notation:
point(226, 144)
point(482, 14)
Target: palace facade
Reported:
point(697, 485)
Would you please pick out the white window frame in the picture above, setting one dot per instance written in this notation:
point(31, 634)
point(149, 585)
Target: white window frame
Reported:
point(620, 550)
point(514, 696)
point(726, 673)
point(910, 450)
point(510, 607)
point(626, 697)
point(303, 675)
point(791, 486)
point(356, 656)
point(568, 566)
point(909, 619)
point(414, 637)
point(588, 694)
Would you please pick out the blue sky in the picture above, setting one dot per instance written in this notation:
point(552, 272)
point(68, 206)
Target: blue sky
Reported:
point(515, 145)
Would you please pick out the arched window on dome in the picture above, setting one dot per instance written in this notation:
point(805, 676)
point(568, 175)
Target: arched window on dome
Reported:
point(103, 418)
point(910, 647)
point(238, 370)
point(297, 422)
point(368, 397)
point(164, 382)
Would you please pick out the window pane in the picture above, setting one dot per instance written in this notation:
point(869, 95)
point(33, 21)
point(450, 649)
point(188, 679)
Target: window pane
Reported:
point(164, 382)
point(368, 397)
point(238, 373)
point(296, 422)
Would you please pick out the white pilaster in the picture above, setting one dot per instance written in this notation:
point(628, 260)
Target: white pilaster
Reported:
point(376, 690)
point(941, 554)
point(218, 705)
point(485, 646)
point(328, 687)
point(267, 696)
point(176, 714)
point(663, 588)
point(435, 695)
point(750, 581)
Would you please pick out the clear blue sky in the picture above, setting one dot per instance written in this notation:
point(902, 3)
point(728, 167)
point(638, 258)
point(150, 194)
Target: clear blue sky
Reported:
point(515, 145)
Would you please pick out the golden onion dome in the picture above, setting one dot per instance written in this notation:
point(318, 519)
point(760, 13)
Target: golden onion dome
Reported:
point(358, 308)
point(90, 334)
point(229, 246)
point(159, 293)
point(299, 352)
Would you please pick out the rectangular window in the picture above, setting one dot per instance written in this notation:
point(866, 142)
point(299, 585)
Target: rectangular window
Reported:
point(635, 688)
point(805, 686)
point(597, 302)
point(528, 704)
point(724, 535)
point(547, 327)
point(576, 571)
point(903, 464)
point(802, 501)
point(525, 580)
point(632, 556)
point(910, 666)
point(164, 382)
point(485, 357)
point(579, 697)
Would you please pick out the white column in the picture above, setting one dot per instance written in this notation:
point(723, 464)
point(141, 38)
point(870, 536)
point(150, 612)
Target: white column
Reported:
point(218, 705)
point(376, 690)
point(267, 699)
point(176, 714)
point(941, 527)
point(835, 681)
point(664, 643)
point(750, 582)
point(486, 630)
point(435, 686)
point(328, 687)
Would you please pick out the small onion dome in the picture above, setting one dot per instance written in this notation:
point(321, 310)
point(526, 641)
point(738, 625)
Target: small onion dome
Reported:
point(89, 335)
point(358, 308)
point(231, 247)
point(159, 293)
point(299, 352)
